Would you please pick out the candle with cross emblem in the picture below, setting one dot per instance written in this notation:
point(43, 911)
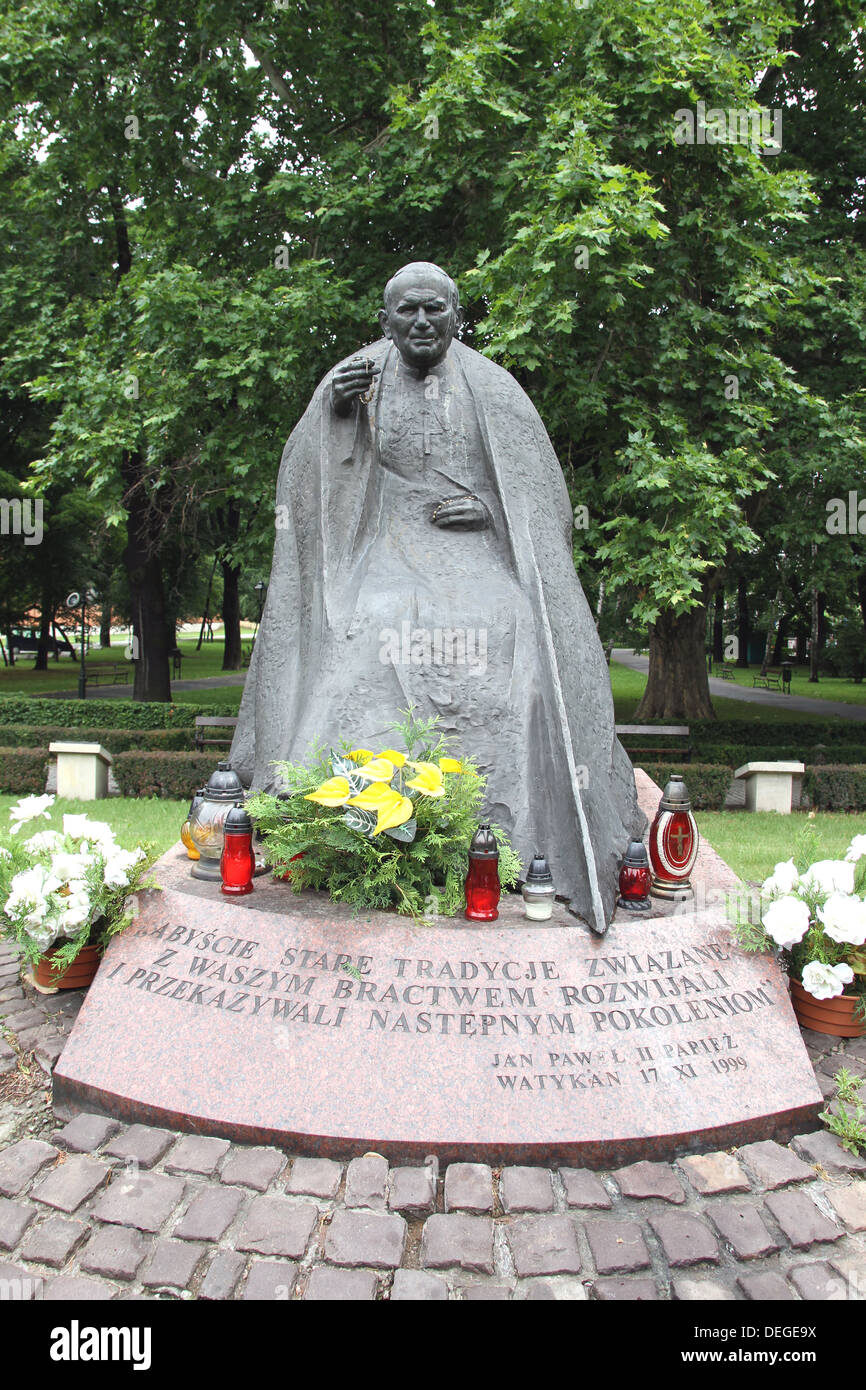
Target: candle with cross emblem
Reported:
point(673, 842)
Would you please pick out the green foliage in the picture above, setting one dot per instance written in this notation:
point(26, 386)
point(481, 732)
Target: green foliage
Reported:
point(708, 785)
point(175, 776)
point(114, 740)
point(835, 787)
point(421, 877)
point(23, 770)
point(847, 1125)
point(107, 714)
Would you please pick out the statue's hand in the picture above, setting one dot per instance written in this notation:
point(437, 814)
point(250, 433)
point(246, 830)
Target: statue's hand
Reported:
point(352, 380)
point(464, 513)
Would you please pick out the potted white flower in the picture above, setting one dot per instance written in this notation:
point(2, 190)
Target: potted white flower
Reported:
point(64, 894)
point(817, 919)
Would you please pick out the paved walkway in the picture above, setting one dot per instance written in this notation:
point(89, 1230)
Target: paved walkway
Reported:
point(124, 692)
point(803, 704)
point(95, 1209)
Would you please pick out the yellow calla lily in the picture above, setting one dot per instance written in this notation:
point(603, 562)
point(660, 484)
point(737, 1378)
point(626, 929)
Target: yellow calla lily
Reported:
point(450, 765)
point(428, 781)
point(334, 792)
point(375, 797)
point(398, 759)
point(426, 767)
point(397, 815)
point(361, 755)
point(379, 770)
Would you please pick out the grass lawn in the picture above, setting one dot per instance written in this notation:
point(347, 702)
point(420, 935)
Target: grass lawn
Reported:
point(224, 695)
point(133, 819)
point(628, 686)
point(753, 842)
point(21, 679)
point(827, 688)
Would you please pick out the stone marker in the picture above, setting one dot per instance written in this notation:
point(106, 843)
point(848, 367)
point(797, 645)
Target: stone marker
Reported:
point(769, 786)
point(547, 1043)
point(82, 770)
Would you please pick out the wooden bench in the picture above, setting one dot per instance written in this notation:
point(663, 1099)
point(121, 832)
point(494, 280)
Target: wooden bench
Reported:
point(726, 671)
point(205, 722)
point(771, 681)
point(659, 751)
point(109, 672)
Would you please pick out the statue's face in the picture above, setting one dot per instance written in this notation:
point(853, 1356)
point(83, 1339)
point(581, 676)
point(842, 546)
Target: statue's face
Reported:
point(420, 319)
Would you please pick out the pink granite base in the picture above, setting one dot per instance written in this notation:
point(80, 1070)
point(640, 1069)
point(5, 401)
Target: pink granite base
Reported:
point(283, 1019)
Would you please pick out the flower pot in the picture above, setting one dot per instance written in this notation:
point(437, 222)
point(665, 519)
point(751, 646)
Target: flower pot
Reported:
point(833, 1016)
point(78, 975)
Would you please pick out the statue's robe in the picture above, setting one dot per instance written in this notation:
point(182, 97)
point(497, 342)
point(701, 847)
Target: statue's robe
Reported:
point(371, 607)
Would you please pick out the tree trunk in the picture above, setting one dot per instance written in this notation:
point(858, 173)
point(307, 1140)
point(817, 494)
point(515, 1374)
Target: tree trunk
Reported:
point(801, 652)
point(105, 625)
point(144, 569)
point(861, 595)
point(743, 624)
point(47, 617)
point(780, 649)
point(719, 626)
point(772, 619)
point(677, 687)
point(813, 641)
point(601, 591)
point(232, 652)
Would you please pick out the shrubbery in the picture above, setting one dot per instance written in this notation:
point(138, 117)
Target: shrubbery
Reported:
point(172, 776)
point(105, 714)
point(707, 785)
point(23, 770)
point(835, 787)
point(114, 740)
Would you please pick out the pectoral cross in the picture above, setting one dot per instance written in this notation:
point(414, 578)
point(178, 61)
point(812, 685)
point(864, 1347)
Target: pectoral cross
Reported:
point(423, 431)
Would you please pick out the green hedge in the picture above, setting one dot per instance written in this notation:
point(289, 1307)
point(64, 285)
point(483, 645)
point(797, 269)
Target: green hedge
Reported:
point(736, 754)
point(764, 731)
point(115, 740)
point(835, 787)
point(105, 714)
point(23, 771)
point(173, 776)
point(707, 785)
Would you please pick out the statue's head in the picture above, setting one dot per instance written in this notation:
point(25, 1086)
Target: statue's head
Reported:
point(421, 313)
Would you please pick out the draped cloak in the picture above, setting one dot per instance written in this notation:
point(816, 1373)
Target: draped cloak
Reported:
point(360, 574)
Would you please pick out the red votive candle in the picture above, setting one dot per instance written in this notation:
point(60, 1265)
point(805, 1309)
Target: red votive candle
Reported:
point(237, 861)
point(482, 881)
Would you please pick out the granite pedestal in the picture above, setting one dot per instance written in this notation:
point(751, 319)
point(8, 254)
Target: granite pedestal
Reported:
point(281, 1018)
point(82, 770)
point(770, 786)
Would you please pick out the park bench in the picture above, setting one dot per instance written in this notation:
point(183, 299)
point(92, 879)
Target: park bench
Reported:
point(207, 722)
point(725, 671)
point(109, 672)
point(771, 680)
point(658, 751)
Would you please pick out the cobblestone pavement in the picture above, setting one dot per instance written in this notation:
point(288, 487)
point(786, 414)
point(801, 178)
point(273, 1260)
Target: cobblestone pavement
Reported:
point(95, 1209)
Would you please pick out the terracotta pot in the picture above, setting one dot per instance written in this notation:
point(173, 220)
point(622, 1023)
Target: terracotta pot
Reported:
point(76, 976)
point(833, 1016)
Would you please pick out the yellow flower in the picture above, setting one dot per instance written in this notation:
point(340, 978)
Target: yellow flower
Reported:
point(428, 780)
point(450, 765)
point(379, 770)
point(334, 792)
point(398, 759)
point(360, 755)
point(375, 797)
point(398, 814)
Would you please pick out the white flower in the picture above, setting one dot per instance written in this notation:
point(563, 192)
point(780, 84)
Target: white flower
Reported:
point(119, 866)
point(30, 808)
point(42, 840)
point(786, 920)
point(29, 895)
point(826, 981)
point(76, 908)
point(856, 849)
point(784, 879)
point(4, 853)
point(83, 828)
point(844, 919)
point(66, 866)
point(829, 876)
point(43, 936)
